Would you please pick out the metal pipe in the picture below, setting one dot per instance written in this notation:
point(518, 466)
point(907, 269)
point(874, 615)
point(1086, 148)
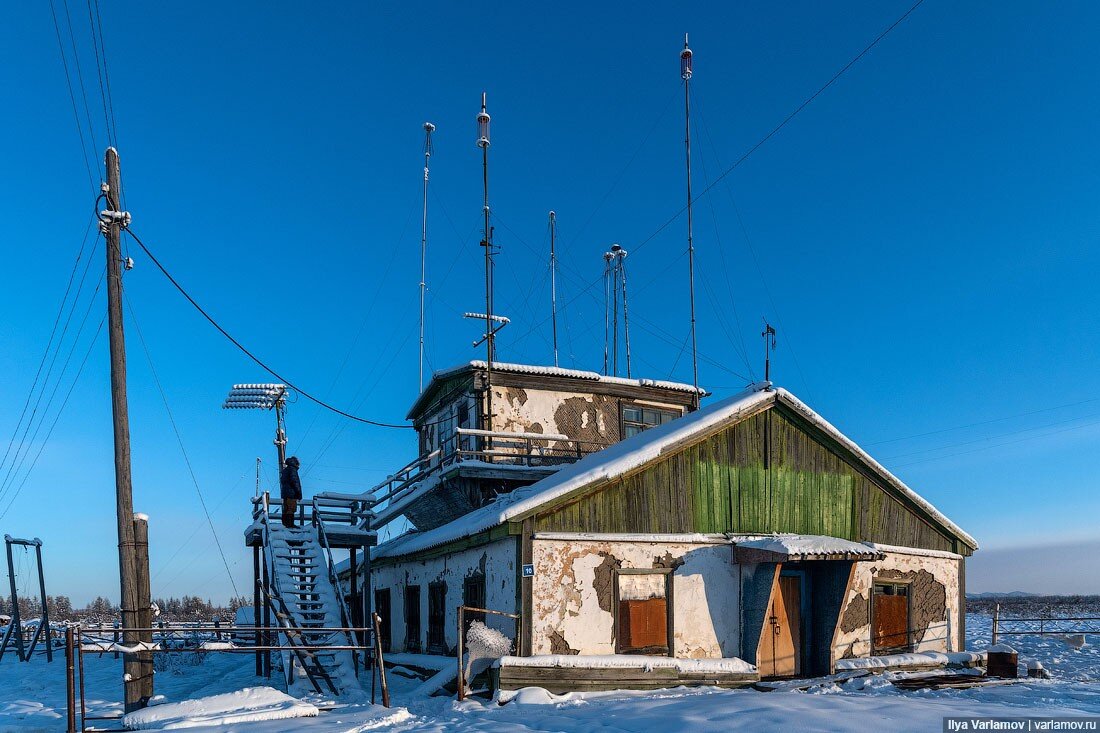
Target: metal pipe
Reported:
point(70, 682)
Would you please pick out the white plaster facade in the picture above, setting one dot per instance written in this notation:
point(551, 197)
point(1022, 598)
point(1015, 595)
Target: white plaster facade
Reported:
point(568, 585)
point(944, 633)
point(496, 560)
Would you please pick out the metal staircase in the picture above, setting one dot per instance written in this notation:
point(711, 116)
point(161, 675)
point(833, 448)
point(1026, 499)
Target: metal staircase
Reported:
point(308, 606)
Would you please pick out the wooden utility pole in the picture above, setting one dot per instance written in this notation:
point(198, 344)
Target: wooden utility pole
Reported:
point(131, 602)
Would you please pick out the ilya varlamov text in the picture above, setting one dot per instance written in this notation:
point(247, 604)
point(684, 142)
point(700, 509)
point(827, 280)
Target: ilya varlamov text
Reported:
point(956, 725)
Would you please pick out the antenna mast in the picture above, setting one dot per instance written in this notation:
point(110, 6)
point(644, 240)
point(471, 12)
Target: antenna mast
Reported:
point(614, 284)
point(487, 243)
point(554, 285)
point(769, 346)
point(685, 74)
point(607, 257)
point(429, 128)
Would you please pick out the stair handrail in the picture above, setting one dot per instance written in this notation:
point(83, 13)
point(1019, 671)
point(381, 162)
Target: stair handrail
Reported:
point(273, 579)
point(334, 577)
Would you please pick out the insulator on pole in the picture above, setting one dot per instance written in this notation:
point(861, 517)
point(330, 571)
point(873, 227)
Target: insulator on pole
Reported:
point(483, 125)
point(685, 60)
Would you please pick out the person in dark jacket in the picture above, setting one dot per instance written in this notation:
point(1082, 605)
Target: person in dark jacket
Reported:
point(290, 490)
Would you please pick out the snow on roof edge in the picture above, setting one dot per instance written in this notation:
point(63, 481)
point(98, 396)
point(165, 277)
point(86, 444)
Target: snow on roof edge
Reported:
point(616, 458)
point(807, 412)
point(632, 452)
point(552, 371)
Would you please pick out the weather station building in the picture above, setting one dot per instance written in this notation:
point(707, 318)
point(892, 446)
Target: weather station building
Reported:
point(615, 519)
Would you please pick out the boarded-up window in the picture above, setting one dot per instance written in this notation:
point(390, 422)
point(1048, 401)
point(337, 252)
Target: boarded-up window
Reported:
point(437, 615)
point(473, 595)
point(890, 618)
point(385, 626)
point(412, 618)
point(643, 618)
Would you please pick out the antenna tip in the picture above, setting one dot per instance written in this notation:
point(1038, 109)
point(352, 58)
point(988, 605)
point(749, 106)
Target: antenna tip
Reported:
point(552, 214)
point(429, 127)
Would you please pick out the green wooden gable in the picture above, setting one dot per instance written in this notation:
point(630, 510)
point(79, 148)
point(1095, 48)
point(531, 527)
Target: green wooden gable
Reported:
point(772, 471)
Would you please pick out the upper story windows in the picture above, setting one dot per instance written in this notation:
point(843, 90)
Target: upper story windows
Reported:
point(637, 418)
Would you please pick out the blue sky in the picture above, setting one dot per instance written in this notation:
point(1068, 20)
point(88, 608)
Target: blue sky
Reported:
point(923, 236)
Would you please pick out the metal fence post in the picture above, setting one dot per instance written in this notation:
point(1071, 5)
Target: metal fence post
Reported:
point(70, 696)
point(461, 671)
point(996, 621)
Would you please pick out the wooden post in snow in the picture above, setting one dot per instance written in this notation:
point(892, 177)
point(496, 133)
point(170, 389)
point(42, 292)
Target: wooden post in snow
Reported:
point(124, 503)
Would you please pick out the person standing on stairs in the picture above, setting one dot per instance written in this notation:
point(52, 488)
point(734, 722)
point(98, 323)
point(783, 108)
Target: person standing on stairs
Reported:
point(290, 490)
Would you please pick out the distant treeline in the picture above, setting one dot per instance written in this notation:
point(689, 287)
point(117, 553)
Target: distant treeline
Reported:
point(187, 608)
point(1035, 606)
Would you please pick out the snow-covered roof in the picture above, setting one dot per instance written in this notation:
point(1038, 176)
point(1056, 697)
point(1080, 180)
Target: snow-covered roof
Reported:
point(553, 371)
point(634, 452)
point(808, 546)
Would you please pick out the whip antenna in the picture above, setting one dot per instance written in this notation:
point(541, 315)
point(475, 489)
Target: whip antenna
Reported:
point(685, 74)
point(429, 128)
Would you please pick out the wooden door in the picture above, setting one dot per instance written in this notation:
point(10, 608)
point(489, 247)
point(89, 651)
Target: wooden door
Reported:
point(781, 648)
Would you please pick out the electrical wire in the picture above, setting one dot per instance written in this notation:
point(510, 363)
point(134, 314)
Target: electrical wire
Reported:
point(72, 98)
point(248, 353)
point(179, 440)
point(56, 418)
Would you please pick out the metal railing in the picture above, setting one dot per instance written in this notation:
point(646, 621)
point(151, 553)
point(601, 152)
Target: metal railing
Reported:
point(338, 586)
point(76, 647)
point(497, 448)
point(1042, 625)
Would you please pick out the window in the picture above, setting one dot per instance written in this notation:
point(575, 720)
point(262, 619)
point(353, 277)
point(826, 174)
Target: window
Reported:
point(637, 418)
point(412, 618)
point(644, 625)
point(890, 618)
point(473, 594)
point(385, 626)
point(437, 616)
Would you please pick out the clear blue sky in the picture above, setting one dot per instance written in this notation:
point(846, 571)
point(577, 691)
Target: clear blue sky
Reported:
point(924, 236)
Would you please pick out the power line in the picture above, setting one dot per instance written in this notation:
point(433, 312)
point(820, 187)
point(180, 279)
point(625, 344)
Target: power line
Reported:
point(56, 418)
point(248, 353)
point(72, 98)
point(46, 351)
point(179, 440)
point(775, 130)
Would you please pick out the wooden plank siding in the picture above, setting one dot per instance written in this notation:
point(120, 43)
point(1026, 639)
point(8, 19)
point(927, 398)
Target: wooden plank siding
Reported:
point(771, 472)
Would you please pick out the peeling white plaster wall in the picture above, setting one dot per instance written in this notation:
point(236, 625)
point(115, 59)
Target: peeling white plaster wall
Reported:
point(942, 634)
point(566, 599)
point(497, 560)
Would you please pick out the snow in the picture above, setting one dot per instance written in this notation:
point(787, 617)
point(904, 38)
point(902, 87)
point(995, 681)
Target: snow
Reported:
point(630, 661)
point(808, 545)
point(1001, 649)
point(243, 706)
point(901, 550)
point(911, 659)
point(689, 538)
point(632, 453)
point(32, 698)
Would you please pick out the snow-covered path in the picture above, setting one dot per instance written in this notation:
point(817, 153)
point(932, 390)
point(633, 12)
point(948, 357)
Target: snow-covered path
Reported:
point(32, 698)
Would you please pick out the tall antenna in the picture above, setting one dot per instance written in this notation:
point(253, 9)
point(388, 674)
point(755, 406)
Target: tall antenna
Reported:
point(554, 285)
point(769, 346)
point(685, 74)
point(487, 243)
point(429, 128)
point(615, 283)
point(607, 257)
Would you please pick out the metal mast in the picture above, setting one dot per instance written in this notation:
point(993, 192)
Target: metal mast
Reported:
point(487, 243)
point(626, 318)
point(607, 256)
point(429, 128)
point(553, 285)
point(685, 74)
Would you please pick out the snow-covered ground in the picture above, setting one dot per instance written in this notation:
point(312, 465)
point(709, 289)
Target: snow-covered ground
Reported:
point(32, 697)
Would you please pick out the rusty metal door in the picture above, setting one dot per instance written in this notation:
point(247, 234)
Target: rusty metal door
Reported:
point(781, 648)
point(891, 618)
